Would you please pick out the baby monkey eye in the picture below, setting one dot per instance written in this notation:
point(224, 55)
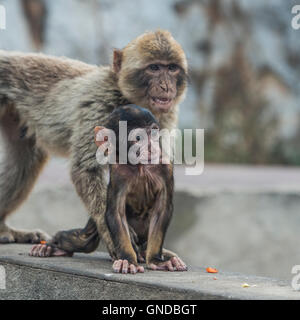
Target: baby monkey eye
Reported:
point(172, 67)
point(154, 67)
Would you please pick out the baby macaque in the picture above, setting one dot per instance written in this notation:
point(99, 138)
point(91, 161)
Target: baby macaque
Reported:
point(140, 195)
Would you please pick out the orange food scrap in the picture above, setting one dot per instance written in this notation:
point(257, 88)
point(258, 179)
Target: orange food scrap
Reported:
point(43, 242)
point(211, 270)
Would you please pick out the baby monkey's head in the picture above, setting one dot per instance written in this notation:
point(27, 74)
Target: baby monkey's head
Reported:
point(130, 135)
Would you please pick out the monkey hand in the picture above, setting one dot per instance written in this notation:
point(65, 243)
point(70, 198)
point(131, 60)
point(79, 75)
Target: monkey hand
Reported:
point(124, 266)
point(172, 264)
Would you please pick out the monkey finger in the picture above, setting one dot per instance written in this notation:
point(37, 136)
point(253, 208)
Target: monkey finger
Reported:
point(132, 269)
point(125, 266)
point(117, 266)
point(140, 269)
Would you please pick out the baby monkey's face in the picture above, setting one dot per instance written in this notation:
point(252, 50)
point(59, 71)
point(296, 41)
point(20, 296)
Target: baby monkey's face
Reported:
point(136, 145)
point(143, 144)
point(131, 136)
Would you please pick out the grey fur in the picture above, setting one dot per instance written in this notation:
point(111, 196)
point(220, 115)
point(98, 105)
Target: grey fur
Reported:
point(51, 105)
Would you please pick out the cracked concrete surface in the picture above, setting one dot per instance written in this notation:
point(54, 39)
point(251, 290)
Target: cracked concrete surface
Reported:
point(90, 277)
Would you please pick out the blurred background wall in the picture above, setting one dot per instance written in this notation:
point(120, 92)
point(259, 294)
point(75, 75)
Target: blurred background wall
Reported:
point(243, 56)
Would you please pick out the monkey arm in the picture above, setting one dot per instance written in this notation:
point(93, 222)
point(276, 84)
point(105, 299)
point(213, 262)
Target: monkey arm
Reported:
point(160, 218)
point(158, 258)
point(91, 188)
point(116, 221)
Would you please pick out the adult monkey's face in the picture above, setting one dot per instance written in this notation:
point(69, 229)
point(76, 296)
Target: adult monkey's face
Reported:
point(152, 71)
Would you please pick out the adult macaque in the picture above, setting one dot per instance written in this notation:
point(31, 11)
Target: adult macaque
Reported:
point(51, 105)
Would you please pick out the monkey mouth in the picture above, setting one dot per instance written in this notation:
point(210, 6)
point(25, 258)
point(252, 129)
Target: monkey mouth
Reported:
point(162, 103)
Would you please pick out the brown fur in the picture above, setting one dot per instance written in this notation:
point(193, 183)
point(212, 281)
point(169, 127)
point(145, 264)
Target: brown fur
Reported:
point(58, 102)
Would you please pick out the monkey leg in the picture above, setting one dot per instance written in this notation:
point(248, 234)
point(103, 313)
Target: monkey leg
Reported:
point(166, 261)
point(139, 250)
point(65, 243)
point(22, 163)
point(91, 187)
point(158, 258)
point(123, 239)
point(126, 261)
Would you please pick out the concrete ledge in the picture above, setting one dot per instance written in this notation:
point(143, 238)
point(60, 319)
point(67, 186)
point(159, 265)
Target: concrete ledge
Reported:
point(90, 277)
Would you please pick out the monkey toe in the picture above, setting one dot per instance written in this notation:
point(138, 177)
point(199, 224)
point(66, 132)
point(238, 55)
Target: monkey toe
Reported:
point(178, 264)
point(45, 250)
point(33, 251)
point(39, 250)
point(162, 266)
point(42, 250)
point(174, 264)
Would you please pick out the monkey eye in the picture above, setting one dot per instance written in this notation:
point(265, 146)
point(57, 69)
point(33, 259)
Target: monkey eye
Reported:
point(172, 67)
point(154, 67)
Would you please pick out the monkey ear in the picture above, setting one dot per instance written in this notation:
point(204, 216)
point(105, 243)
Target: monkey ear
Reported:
point(96, 130)
point(117, 60)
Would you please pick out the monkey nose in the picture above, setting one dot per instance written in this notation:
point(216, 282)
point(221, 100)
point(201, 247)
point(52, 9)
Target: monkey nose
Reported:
point(164, 86)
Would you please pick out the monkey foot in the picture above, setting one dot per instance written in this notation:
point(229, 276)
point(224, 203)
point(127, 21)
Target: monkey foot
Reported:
point(11, 236)
point(174, 264)
point(46, 250)
point(123, 266)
